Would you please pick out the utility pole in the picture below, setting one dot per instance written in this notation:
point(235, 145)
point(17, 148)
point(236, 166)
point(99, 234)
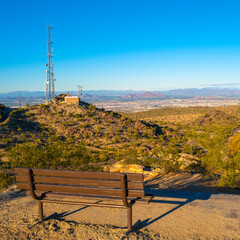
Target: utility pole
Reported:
point(50, 88)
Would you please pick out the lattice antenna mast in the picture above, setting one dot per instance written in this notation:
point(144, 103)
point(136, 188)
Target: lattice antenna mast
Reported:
point(80, 91)
point(50, 89)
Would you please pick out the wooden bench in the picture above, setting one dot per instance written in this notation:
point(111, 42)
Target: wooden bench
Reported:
point(42, 183)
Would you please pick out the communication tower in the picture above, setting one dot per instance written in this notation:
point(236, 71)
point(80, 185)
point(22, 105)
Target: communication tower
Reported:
point(50, 90)
point(80, 91)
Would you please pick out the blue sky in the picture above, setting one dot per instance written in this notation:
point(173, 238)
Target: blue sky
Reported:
point(118, 45)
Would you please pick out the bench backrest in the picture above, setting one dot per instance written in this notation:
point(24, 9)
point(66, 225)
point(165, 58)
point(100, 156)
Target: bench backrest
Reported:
point(79, 182)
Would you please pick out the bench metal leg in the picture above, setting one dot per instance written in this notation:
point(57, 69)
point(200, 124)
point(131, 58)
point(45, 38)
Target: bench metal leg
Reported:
point(129, 218)
point(40, 211)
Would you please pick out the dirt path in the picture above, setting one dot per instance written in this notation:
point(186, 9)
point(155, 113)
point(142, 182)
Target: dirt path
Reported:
point(172, 215)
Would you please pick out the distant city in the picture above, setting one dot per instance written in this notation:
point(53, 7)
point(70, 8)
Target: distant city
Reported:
point(132, 101)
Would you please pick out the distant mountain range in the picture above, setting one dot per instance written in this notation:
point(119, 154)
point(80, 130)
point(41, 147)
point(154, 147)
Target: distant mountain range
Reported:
point(204, 92)
point(131, 94)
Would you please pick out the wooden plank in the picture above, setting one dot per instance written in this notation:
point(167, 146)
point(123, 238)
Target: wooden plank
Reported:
point(72, 181)
point(22, 186)
point(21, 171)
point(76, 181)
point(82, 182)
point(137, 177)
point(53, 195)
point(82, 190)
point(21, 178)
point(135, 185)
point(79, 174)
point(87, 182)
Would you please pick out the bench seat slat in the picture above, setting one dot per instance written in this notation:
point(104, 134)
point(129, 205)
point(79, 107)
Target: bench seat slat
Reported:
point(82, 182)
point(79, 174)
point(82, 190)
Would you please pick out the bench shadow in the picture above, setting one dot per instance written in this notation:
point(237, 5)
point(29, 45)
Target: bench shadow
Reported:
point(62, 215)
point(177, 188)
point(189, 196)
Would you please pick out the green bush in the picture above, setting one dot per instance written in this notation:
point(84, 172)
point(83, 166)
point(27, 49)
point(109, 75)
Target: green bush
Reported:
point(5, 180)
point(16, 111)
point(230, 179)
point(54, 155)
point(91, 107)
point(6, 140)
point(28, 114)
point(43, 106)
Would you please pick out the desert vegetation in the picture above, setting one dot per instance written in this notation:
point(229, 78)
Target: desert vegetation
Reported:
point(209, 134)
point(59, 136)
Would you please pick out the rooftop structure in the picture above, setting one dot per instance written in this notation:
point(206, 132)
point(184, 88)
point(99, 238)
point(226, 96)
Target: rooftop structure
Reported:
point(71, 99)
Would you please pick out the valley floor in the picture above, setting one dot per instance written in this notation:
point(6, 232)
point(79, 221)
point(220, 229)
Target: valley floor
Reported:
point(173, 214)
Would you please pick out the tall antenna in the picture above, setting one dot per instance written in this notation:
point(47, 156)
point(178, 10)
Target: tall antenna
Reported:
point(50, 90)
point(80, 91)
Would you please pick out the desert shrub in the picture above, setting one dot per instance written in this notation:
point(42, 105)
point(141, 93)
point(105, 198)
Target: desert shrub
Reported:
point(91, 107)
point(5, 180)
point(84, 125)
point(28, 114)
point(234, 144)
point(54, 155)
point(230, 179)
point(79, 118)
point(2, 106)
point(22, 137)
point(85, 135)
point(43, 106)
point(59, 114)
point(16, 111)
point(6, 139)
point(103, 156)
point(65, 123)
point(89, 114)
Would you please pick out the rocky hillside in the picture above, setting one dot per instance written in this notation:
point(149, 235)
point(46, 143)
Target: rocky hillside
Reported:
point(197, 140)
point(69, 133)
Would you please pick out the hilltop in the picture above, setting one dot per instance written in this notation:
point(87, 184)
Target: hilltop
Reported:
point(88, 138)
point(69, 136)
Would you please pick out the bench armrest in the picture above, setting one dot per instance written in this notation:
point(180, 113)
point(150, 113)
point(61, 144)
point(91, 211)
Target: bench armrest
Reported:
point(146, 199)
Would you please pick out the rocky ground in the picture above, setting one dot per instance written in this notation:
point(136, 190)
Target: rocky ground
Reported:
point(173, 214)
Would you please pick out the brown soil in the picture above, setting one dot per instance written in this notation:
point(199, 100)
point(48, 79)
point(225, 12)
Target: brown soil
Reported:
point(173, 214)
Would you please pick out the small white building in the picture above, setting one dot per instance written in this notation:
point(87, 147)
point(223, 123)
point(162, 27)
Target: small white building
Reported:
point(72, 99)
